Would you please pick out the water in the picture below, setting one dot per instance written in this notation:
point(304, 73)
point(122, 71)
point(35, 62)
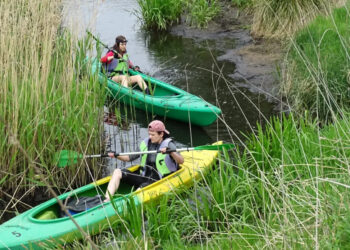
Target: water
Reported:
point(184, 62)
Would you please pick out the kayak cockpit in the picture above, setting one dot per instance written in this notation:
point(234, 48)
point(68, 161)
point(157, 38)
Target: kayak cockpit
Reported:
point(53, 211)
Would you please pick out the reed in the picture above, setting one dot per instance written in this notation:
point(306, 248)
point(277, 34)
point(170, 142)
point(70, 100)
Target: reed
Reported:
point(316, 75)
point(243, 3)
point(274, 18)
point(159, 15)
point(201, 12)
point(47, 101)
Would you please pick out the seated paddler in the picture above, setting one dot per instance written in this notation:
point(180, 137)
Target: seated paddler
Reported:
point(116, 64)
point(153, 166)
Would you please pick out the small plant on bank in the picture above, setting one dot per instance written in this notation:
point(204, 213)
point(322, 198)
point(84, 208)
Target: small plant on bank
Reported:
point(159, 15)
point(243, 3)
point(316, 76)
point(201, 12)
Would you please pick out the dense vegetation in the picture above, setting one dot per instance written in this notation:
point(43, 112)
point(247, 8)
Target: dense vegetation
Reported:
point(271, 18)
point(160, 15)
point(46, 96)
point(316, 76)
point(282, 18)
point(288, 187)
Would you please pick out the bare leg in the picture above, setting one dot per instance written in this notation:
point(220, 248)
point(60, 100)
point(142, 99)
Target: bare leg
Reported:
point(138, 79)
point(113, 184)
point(122, 79)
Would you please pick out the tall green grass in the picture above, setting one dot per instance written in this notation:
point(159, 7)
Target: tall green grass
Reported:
point(201, 12)
point(285, 189)
point(317, 68)
point(159, 15)
point(275, 18)
point(48, 102)
point(242, 3)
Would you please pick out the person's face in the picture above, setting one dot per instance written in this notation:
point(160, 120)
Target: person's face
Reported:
point(155, 137)
point(122, 46)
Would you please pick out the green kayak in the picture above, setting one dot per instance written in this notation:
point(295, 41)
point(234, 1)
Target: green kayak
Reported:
point(45, 226)
point(165, 99)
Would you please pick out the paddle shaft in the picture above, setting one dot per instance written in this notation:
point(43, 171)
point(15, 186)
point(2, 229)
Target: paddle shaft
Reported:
point(140, 153)
point(98, 40)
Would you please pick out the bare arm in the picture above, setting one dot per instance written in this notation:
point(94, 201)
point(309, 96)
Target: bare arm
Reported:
point(175, 155)
point(120, 157)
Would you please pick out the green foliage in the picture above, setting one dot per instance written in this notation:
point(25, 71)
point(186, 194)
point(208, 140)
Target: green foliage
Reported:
point(200, 12)
point(283, 18)
point(317, 74)
point(159, 15)
point(46, 95)
point(242, 3)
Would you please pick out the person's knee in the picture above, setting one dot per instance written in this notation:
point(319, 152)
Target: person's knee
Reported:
point(139, 77)
point(117, 173)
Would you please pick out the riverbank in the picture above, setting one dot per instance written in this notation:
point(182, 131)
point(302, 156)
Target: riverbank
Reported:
point(256, 59)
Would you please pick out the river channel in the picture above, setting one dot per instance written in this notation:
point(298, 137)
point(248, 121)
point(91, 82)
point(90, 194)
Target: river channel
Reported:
point(188, 63)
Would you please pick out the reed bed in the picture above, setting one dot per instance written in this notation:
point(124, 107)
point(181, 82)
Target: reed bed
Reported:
point(316, 72)
point(274, 18)
point(161, 15)
point(48, 102)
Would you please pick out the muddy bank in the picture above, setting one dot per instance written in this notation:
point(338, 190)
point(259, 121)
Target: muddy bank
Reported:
point(256, 60)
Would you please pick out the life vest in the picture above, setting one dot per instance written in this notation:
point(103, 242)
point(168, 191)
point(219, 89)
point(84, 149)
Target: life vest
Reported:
point(164, 163)
point(118, 66)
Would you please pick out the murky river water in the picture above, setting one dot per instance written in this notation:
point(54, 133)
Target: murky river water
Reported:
point(184, 62)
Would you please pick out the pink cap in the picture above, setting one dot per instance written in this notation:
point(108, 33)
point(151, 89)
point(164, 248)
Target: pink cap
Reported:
point(157, 126)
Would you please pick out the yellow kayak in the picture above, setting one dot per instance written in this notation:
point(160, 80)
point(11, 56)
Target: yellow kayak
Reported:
point(44, 225)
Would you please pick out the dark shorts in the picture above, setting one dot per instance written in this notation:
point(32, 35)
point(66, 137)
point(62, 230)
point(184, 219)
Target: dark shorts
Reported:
point(135, 179)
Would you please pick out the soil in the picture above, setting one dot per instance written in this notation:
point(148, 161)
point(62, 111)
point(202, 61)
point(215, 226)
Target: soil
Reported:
point(256, 59)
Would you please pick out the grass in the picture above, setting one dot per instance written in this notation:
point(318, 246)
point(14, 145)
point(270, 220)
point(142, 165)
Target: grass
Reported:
point(316, 72)
point(48, 101)
point(274, 18)
point(201, 12)
point(159, 15)
point(243, 3)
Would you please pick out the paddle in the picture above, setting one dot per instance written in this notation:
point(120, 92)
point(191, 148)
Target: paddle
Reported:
point(68, 157)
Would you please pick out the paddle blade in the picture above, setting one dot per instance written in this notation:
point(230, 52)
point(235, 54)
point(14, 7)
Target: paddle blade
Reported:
point(66, 157)
point(215, 147)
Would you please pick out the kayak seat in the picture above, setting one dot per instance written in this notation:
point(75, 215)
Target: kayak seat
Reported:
point(47, 215)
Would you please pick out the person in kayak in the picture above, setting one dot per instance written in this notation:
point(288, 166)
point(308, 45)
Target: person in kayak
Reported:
point(116, 64)
point(153, 166)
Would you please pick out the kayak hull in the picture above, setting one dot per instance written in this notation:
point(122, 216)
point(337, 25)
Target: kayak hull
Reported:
point(42, 226)
point(165, 99)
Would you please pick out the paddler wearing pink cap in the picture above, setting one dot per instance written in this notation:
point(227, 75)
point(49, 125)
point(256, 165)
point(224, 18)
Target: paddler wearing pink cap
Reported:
point(153, 166)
